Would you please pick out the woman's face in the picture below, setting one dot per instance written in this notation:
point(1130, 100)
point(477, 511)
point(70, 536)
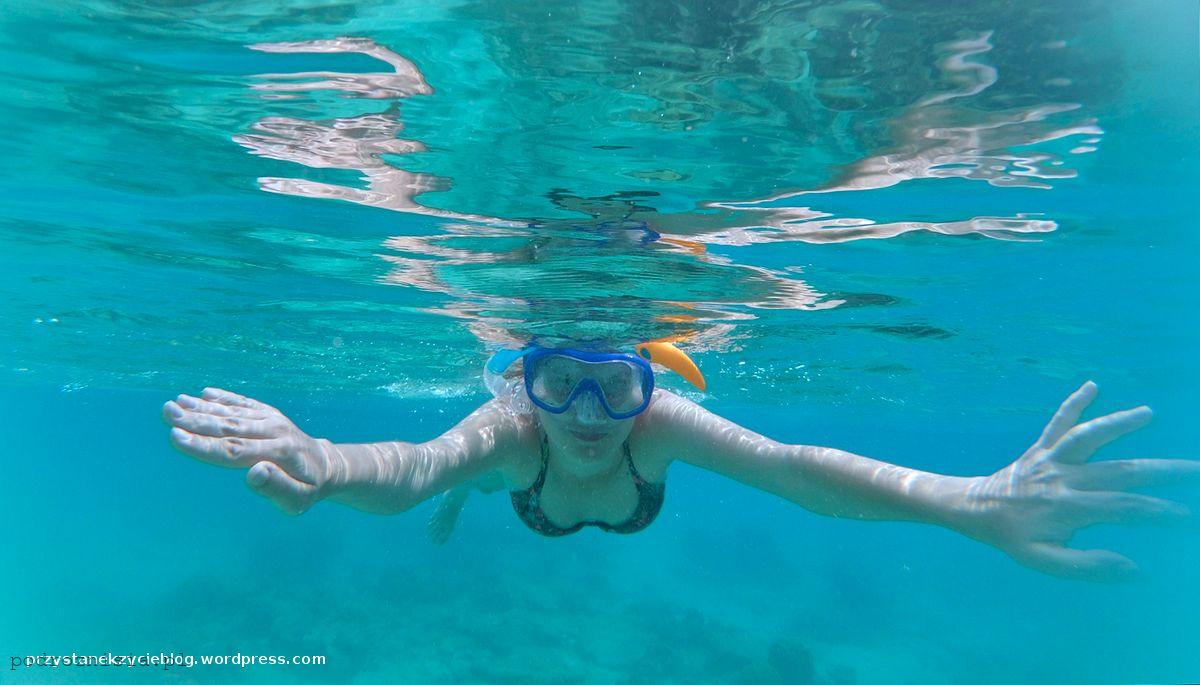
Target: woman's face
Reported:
point(584, 434)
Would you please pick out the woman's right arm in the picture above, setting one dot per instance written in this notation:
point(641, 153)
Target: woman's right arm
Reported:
point(295, 470)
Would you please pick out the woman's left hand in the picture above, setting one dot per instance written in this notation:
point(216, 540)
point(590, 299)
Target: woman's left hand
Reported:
point(1031, 508)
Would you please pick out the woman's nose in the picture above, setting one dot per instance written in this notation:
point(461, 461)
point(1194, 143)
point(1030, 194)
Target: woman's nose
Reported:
point(588, 409)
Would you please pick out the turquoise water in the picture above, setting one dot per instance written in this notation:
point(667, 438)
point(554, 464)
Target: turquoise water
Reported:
point(889, 227)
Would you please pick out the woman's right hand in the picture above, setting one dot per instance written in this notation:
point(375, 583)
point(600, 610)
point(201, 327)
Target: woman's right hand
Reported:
point(227, 429)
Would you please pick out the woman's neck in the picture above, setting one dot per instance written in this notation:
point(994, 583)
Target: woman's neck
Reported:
point(607, 469)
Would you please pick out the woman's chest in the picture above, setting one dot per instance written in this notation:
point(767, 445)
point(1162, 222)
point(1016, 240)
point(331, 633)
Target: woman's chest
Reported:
point(566, 503)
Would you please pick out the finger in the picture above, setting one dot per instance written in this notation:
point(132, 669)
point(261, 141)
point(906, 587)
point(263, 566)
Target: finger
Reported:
point(175, 409)
point(221, 426)
point(1122, 474)
point(217, 409)
point(234, 399)
point(1082, 441)
point(1098, 565)
point(290, 495)
point(1127, 507)
point(184, 403)
point(441, 522)
point(1068, 414)
point(437, 531)
point(229, 452)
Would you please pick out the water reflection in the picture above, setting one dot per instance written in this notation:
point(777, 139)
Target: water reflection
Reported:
point(581, 279)
point(402, 81)
point(631, 265)
point(352, 143)
point(934, 139)
point(510, 278)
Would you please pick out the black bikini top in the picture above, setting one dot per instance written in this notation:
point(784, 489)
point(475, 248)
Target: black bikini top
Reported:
point(527, 503)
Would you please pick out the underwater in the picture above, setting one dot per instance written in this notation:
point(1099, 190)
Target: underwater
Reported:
point(834, 265)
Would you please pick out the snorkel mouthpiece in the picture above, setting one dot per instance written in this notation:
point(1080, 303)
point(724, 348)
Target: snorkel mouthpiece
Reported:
point(502, 359)
point(673, 358)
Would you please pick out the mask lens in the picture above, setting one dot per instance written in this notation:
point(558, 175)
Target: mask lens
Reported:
point(555, 377)
point(621, 383)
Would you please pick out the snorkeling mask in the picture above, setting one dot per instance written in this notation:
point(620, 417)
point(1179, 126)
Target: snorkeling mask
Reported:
point(622, 383)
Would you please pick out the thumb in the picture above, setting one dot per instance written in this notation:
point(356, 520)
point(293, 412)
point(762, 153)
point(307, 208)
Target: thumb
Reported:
point(290, 495)
point(1097, 565)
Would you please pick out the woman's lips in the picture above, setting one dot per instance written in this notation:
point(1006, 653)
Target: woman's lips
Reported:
point(588, 436)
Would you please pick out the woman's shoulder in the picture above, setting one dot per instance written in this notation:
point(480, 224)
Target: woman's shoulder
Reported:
point(666, 413)
point(652, 443)
point(521, 449)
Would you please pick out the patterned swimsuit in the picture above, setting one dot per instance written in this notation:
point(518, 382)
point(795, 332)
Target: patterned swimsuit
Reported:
point(527, 503)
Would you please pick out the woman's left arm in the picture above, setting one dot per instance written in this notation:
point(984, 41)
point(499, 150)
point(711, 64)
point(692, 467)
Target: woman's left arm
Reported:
point(1029, 509)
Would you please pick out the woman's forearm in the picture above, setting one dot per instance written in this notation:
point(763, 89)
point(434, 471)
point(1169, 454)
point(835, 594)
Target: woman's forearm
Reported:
point(376, 477)
point(391, 477)
point(838, 483)
point(824, 480)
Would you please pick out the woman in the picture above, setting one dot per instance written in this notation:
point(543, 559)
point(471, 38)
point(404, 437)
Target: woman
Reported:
point(595, 447)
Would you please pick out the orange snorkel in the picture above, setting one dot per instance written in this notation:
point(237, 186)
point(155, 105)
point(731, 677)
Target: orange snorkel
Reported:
point(666, 354)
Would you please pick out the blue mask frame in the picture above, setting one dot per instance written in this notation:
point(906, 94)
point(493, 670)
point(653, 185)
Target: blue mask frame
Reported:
point(504, 358)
